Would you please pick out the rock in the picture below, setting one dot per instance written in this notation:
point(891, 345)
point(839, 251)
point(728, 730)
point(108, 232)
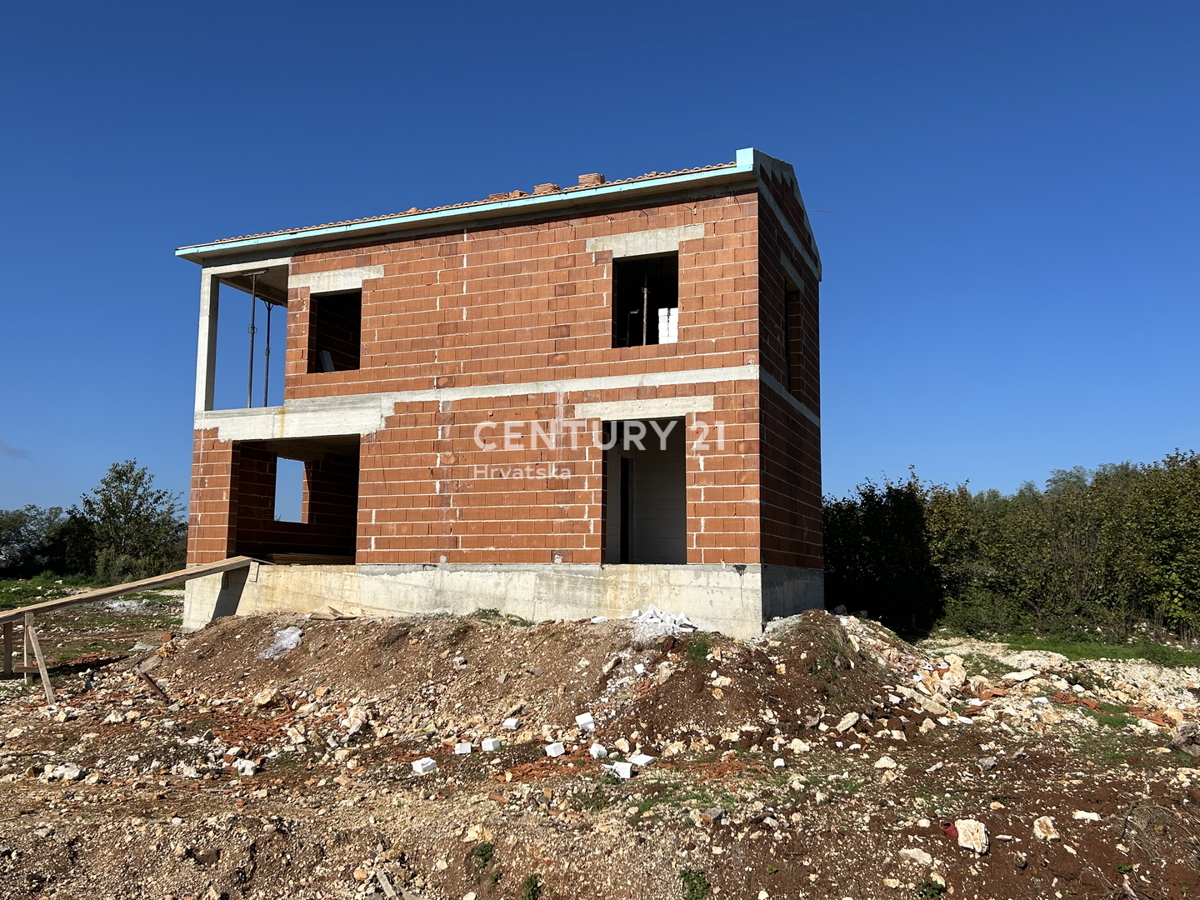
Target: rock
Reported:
point(885, 762)
point(987, 764)
point(848, 721)
point(266, 697)
point(972, 834)
point(779, 763)
point(1083, 816)
point(361, 874)
point(914, 855)
point(1043, 827)
point(1187, 739)
point(286, 640)
point(1022, 675)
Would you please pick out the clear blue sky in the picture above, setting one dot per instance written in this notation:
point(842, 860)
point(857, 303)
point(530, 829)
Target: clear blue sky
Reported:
point(1010, 271)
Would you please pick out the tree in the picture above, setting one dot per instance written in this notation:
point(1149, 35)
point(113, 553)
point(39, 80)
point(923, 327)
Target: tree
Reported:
point(25, 535)
point(137, 529)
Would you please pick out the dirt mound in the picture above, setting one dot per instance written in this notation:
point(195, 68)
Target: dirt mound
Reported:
point(825, 760)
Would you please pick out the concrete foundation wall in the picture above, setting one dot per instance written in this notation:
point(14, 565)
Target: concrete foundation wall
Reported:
point(729, 599)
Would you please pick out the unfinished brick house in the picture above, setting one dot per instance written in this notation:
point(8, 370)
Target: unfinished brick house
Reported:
point(563, 403)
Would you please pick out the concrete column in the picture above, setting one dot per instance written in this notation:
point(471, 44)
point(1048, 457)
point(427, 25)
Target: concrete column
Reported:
point(206, 354)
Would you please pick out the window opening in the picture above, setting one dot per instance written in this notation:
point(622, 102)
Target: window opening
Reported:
point(289, 490)
point(646, 300)
point(335, 329)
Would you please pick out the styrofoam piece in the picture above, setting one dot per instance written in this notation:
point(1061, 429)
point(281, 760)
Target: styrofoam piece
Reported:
point(556, 749)
point(490, 745)
point(511, 724)
point(596, 620)
point(424, 766)
point(586, 722)
point(641, 759)
point(779, 763)
point(623, 769)
point(640, 669)
point(462, 749)
point(597, 751)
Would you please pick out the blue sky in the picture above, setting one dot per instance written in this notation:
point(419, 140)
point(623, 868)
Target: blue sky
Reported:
point(1010, 267)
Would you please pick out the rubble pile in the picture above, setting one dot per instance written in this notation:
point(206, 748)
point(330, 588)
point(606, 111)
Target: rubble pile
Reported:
point(331, 756)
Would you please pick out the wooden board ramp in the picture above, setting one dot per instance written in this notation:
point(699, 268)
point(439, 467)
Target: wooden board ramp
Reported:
point(26, 614)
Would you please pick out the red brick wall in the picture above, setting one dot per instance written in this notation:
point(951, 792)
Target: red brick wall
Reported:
point(526, 302)
point(520, 303)
point(422, 498)
point(211, 501)
point(791, 442)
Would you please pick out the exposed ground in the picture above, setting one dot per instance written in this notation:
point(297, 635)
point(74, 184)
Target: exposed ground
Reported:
point(292, 777)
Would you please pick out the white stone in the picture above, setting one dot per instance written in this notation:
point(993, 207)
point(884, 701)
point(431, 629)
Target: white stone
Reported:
point(972, 834)
point(1085, 816)
point(424, 766)
point(1023, 675)
point(920, 857)
point(885, 762)
point(779, 764)
point(1043, 827)
point(848, 721)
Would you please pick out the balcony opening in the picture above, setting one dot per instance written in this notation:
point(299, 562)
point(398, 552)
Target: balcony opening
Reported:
point(325, 525)
point(646, 508)
point(646, 300)
point(251, 322)
point(335, 331)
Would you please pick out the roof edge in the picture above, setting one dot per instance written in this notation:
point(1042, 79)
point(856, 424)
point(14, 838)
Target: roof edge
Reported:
point(730, 173)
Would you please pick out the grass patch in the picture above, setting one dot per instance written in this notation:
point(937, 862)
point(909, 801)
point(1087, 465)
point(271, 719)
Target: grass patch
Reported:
point(532, 888)
point(1073, 649)
point(1110, 716)
point(983, 664)
point(482, 854)
point(699, 646)
point(695, 884)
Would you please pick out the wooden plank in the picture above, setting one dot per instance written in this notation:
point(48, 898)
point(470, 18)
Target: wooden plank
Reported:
point(133, 587)
point(41, 660)
point(8, 648)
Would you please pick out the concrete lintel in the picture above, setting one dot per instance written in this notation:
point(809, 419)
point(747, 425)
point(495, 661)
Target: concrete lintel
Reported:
point(338, 280)
point(646, 243)
point(664, 408)
point(248, 266)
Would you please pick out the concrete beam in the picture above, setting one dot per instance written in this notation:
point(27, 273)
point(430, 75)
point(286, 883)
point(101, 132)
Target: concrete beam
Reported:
point(646, 243)
point(338, 280)
point(365, 413)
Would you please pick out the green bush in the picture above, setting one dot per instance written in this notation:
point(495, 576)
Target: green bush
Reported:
point(1093, 555)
